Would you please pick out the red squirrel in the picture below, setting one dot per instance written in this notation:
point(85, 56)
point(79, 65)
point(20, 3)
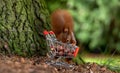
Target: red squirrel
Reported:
point(62, 26)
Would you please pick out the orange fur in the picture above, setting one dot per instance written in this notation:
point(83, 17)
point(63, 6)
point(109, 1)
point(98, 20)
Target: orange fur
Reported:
point(62, 26)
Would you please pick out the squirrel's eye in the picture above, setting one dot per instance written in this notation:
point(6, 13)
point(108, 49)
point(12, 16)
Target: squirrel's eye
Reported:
point(65, 30)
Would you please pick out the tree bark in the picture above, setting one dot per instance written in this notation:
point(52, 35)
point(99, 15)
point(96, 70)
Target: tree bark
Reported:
point(21, 25)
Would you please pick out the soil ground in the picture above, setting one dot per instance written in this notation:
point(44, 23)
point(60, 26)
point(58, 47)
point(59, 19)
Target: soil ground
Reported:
point(16, 64)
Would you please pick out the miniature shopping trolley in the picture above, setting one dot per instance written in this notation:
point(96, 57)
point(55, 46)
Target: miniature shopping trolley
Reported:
point(58, 48)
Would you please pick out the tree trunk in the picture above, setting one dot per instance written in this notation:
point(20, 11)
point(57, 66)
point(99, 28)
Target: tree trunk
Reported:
point(21, 25)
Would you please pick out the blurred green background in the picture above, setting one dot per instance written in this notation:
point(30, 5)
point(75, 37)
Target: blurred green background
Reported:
point(96, 23)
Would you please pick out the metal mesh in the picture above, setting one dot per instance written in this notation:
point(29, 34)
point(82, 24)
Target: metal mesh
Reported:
point(58, 48)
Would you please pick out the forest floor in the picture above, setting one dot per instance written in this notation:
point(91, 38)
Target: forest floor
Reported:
point(16, 64)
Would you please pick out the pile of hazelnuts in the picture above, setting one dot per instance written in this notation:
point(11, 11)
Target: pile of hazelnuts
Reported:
point(62, 50)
